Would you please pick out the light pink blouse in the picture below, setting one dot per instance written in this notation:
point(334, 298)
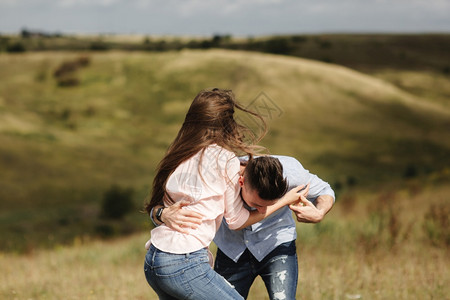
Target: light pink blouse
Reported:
point(213, 191)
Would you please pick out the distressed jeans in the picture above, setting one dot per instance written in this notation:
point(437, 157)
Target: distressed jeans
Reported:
point(185, 276)
point(278, 270)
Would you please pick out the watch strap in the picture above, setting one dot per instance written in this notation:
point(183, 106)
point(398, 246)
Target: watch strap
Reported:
point(159, 214)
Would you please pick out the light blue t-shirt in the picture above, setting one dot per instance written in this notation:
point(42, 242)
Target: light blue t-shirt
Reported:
point(263, 237)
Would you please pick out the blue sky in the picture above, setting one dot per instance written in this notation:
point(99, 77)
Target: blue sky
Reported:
point(236, 17)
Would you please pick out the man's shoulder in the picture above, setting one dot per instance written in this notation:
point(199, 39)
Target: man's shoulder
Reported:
point(280, 157)
point(287, 160)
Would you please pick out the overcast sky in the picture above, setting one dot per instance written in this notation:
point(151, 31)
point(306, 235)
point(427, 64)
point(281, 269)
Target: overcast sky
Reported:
point(236, 17)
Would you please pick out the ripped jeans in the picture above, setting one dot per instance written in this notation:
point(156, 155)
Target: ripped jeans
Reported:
point(278, 270)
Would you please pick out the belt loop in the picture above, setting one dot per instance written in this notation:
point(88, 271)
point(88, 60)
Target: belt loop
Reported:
point(153, 248)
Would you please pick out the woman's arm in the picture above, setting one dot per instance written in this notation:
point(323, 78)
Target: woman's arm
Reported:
point(177, 218)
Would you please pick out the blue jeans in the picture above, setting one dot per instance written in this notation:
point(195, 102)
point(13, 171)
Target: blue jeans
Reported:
point(278, 270)
point(185, 276)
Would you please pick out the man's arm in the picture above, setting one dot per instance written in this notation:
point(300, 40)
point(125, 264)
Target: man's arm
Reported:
point(307, 212)
point(293, 196)
point(177, 218)
point(320, 192)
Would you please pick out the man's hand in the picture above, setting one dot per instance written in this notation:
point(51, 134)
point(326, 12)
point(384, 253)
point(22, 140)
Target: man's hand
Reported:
point(180, 219)
point(293, 196)
point(307, 212)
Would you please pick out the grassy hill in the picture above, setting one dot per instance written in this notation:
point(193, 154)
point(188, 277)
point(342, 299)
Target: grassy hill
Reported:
point(62, 147)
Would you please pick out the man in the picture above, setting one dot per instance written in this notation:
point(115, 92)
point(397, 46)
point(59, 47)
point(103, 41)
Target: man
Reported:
point(267, 248)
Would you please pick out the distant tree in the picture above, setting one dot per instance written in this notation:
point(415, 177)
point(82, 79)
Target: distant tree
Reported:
point(220, 40)
point(16, 47)
point(324, 44)
point(161, 46)
point(216, 39)
point(117, 202)
point(337, 185)
point(193, 44)
point(351, 181)
point(146, 41)
point(98, 46)
point(25, 33)
point(299, 38)
point(278, 45)
point(410, 171)
point(206, 44)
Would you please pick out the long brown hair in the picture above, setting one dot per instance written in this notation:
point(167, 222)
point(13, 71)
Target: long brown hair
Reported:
point(209, 120)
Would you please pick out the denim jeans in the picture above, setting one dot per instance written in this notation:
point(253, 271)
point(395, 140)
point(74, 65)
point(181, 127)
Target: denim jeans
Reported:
point(185, 276)
point(278, 270)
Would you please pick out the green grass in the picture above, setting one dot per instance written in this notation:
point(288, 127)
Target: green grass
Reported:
point(61, 148)
point(428, 85)
point(372, 245)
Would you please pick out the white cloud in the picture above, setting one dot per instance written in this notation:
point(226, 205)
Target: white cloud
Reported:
point(58, 3)
point(21, 2)
point(72, 3)
point(187, 8)
point(240, 17)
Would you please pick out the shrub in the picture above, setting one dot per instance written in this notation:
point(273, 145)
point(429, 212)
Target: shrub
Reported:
point(278, 45)
point(65, 73)
point(410, 171)
point(383, 228)
point(446, 70)
point(99, 46)
point(105, 230)
point(16, 47)
point(117, 202)
point(351, 181)
point(437, 224)
point(69, 67)
point(337, 186)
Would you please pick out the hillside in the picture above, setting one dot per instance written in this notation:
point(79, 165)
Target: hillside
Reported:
point(62, 147)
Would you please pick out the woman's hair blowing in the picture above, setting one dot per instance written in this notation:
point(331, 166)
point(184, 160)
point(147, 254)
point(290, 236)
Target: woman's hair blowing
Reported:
point(209, 120)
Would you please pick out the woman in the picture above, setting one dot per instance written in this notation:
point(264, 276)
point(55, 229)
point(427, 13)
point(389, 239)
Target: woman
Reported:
point(201, 167)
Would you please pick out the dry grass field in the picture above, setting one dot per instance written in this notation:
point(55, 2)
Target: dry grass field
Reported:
point(381, 141)
point(361, 250)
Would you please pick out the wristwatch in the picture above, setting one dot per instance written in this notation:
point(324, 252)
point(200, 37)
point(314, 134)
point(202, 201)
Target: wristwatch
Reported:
point(159, 213)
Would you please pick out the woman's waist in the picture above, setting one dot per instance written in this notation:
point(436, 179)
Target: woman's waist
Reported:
point(157, 258)
point(172, 241)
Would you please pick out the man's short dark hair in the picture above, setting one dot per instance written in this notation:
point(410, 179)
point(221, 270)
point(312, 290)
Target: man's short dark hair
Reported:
point(265, 175)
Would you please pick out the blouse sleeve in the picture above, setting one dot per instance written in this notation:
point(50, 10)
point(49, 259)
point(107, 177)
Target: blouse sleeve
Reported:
point(235, 213)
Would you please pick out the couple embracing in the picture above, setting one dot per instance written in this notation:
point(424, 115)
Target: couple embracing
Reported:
point(212, 185)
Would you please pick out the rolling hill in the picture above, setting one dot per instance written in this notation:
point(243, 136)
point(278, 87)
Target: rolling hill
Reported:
point(62, 146)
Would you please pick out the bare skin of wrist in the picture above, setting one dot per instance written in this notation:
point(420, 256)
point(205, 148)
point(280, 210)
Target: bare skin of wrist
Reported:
point(307, 212)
